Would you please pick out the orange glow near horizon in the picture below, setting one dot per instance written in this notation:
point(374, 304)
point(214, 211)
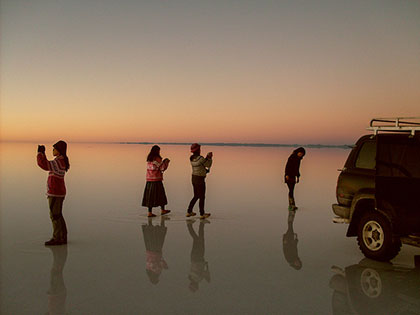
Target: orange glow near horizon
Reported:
point(152, 73)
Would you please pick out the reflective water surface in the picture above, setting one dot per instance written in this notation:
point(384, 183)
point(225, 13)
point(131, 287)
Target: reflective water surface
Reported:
point(251, 256)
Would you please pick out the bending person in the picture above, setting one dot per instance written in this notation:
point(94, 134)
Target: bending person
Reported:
point(291, 176)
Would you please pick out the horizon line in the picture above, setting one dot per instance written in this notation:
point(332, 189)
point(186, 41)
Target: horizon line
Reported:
point(220, 144)
point(240, 144)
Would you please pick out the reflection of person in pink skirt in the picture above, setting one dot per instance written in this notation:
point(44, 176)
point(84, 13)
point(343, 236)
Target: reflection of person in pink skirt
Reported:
point(154, 238)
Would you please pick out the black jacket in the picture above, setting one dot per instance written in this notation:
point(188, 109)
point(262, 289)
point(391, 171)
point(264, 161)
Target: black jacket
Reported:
point(292, 166)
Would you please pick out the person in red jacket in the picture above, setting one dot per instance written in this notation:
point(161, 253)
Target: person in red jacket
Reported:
point(56, 189)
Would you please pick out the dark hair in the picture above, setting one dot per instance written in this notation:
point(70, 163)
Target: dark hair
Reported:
point(300, 150)
point(61, 147)
point(154, 153)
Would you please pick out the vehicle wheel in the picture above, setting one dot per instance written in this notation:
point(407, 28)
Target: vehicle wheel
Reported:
point(375, 237)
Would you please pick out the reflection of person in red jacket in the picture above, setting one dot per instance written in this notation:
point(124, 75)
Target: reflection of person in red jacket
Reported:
point(56, 189)
point(57, 293)
point(154, 238)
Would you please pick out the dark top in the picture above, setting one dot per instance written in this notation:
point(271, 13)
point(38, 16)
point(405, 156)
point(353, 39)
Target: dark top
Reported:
point(292, 165)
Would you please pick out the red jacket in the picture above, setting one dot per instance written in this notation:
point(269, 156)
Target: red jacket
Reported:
point(57, 169)
point(155, 170)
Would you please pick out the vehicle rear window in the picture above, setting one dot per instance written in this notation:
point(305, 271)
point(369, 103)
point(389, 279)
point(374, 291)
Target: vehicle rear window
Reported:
point(366, 156)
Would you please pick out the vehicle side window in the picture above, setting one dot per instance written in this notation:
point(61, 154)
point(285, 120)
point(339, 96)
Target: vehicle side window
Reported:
point(367, 155)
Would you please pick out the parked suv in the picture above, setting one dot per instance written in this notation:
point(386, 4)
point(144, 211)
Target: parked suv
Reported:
point(378, 190)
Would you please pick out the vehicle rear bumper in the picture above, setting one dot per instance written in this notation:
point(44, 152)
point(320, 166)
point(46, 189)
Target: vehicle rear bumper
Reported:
point(341, 211)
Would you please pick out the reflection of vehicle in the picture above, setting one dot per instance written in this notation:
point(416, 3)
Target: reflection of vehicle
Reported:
point(372, 287)
point(378, 190)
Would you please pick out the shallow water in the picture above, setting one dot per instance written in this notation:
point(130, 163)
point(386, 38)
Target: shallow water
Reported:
point(239, 265)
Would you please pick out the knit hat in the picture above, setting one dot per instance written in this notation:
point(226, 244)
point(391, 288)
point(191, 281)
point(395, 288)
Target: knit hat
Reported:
point(195, 147)
point(61, 147)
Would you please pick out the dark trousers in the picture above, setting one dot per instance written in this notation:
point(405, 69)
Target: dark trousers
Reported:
point(291, 184)
point(199, 186)
point(56, 215)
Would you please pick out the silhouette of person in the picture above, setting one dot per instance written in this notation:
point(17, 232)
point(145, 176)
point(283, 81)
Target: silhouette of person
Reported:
point(290, 241)
point(199, 266)
point(292, 174)
point(57, 292)
point(154, 238)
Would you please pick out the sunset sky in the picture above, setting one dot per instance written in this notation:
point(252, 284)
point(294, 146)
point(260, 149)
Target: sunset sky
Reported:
point(210, 71)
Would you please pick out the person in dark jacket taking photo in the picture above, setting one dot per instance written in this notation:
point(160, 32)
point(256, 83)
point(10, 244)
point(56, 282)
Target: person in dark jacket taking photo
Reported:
point(200, 167)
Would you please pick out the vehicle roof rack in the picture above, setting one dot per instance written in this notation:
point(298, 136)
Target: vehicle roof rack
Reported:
point(395, 124)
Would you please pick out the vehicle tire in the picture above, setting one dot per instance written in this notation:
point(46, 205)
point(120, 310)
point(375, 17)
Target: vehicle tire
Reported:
point(375, 237)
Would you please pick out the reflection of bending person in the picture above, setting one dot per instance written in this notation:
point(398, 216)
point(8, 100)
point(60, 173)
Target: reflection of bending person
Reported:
point(199, 267)
point(154, 237)
point(57, 293)
point(290, 241)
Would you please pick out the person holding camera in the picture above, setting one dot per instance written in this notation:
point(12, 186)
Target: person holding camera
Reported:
point(56, 192)
point(200, 167)
point(154, 193)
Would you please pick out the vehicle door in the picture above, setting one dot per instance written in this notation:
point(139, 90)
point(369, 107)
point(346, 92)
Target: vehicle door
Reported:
point(359, 171)
point(397, 180)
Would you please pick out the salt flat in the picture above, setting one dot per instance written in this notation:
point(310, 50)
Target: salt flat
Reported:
point(244, 262)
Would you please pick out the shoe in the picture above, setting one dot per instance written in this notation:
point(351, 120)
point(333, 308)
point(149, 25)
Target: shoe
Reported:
point(53, 242)
point(205, 216)
point(163, 212)
point(190, 214)
point(151, 215)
